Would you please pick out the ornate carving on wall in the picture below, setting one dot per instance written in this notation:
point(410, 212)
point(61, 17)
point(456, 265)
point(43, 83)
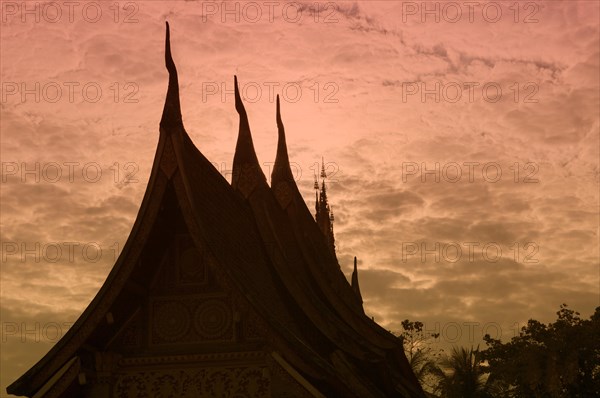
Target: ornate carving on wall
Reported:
point(214, 382)
point(171, 320)
point(248, 374)
point(212, 319)
point(192, 318)
point(247, 357)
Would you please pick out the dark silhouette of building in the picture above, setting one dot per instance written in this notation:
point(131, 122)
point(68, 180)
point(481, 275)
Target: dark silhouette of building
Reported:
point(223, 291)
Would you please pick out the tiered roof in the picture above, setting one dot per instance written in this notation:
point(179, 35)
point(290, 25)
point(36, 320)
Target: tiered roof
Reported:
point(267, 245)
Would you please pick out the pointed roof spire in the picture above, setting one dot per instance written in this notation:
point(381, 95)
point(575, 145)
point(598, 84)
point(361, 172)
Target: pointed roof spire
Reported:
point(323, 177)
point(278, 118)
point(239, 104)
point(324, 217)
point(171, 117)
point(246, 169)
point(317, 203)
point(355, 286)
point(281, 170)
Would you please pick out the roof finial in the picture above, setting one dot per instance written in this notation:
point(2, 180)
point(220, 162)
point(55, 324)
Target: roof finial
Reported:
point(246, 171)
point(323, 174)
point(239, 105)
point(171, 116)
point(278, 117)
point(355, 286)
point(281, 169)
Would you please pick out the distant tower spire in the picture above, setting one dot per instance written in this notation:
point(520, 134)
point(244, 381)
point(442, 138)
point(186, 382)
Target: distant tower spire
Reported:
point(355, 286)
point(316, 197)
point(323, 213)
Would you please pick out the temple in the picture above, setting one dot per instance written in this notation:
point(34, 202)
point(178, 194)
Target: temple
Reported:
point(224, 290)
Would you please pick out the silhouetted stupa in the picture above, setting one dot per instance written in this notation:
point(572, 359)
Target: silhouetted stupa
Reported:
point(223, 291)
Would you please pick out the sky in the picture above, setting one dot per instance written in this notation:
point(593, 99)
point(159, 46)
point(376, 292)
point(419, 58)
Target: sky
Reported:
point(461, 141)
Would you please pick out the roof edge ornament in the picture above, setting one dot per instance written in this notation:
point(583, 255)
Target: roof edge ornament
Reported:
point(355, 285)
point(246, 173)
point(171, 117)
point(282, 175)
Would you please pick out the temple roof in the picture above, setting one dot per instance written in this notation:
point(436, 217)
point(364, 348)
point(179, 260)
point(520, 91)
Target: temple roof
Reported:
point(265, 242)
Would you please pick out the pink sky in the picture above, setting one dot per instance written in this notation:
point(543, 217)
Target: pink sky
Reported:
point(356, 67)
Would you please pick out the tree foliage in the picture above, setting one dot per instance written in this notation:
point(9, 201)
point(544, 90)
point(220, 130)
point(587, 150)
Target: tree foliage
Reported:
point(558, 360)
point(561, 359)
point(461, 375)
point(420, 351)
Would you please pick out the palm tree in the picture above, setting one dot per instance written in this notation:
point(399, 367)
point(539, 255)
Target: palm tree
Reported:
point(418, 346)
point(422, 365)
point(462, 375)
